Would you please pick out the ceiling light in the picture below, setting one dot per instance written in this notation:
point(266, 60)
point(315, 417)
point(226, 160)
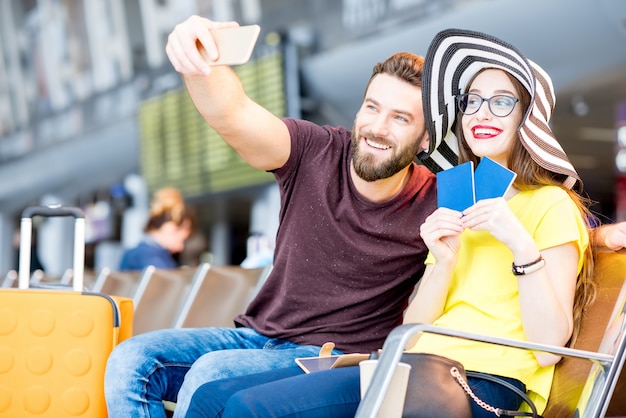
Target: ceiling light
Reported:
point(579, 105)
point(620, 161)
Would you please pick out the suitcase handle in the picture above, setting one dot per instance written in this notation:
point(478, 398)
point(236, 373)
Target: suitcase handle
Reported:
point(26, 230)
point(53, 210)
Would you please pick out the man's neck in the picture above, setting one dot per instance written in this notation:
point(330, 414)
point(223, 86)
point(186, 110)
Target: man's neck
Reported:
point(381, 190)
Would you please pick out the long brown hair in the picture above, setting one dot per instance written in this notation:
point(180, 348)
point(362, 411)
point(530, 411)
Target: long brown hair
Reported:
point(530, 176)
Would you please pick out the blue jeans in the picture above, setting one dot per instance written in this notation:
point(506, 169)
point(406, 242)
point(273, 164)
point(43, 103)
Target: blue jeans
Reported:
point(171, 364)
point(330, 393)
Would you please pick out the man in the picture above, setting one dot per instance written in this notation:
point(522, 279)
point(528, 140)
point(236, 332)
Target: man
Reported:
point(348, 251)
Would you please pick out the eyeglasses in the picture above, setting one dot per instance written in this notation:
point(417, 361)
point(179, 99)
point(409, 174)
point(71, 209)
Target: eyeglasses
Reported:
point(500, 105)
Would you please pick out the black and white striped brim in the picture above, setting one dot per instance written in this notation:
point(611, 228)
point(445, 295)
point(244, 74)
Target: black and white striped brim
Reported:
point(453, 58)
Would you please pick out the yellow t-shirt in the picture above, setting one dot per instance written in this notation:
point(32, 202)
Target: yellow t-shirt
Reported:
point(483, 296)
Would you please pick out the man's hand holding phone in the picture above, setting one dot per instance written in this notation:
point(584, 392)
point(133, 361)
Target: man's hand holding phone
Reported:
point(234, 45)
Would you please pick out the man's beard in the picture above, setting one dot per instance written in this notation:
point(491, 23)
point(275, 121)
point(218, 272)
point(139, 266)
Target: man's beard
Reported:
point(368, 169)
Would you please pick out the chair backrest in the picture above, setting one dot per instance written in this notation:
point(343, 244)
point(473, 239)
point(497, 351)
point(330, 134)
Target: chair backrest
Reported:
point(89, 278)
point(120, 283)
point(10, 279)
point(158, 298)
point(574, 374)
point(223, 293)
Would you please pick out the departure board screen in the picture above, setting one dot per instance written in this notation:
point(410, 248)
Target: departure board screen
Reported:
point(179, 149)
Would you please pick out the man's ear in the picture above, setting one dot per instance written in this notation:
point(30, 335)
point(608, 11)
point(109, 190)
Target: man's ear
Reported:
point(424, 147)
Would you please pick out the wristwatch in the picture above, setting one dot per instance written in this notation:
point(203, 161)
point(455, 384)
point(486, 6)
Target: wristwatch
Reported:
point(528, 268)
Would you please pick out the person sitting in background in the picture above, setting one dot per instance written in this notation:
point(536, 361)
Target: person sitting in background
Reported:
point(169, 225)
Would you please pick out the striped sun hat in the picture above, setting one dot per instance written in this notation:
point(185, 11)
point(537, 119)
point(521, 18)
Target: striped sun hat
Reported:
point(452, 60)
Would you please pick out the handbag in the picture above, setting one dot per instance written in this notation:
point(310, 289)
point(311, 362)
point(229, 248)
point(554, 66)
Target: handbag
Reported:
point(438, 388)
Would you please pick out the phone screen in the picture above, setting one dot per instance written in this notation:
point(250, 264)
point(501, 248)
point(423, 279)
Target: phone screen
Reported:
point(315, 364)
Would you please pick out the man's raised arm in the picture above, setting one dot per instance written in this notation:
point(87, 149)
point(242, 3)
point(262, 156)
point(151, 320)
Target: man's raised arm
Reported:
point(261, 138)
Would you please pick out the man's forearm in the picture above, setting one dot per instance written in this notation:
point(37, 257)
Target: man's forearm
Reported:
point(216, 96)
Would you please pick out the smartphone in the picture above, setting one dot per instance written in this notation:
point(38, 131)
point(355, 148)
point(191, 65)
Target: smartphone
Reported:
point(235, 45)
point(315, 364)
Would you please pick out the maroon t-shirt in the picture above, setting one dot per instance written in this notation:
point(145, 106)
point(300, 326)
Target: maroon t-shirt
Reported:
point(344, 267)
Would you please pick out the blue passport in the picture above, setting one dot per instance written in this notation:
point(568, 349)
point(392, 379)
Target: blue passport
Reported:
point(455, 187)
point(460, 187)
point(492, 179)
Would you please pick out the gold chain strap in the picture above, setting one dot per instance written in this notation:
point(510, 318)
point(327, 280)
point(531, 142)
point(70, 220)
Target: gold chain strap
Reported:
point(457, 375)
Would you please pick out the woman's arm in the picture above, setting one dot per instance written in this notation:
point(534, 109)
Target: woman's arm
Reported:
point(547, 299)
point(547, 294)
point(440, 232)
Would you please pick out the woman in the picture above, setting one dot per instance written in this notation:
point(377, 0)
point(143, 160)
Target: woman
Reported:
point(169, 224)
point(517, 266)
